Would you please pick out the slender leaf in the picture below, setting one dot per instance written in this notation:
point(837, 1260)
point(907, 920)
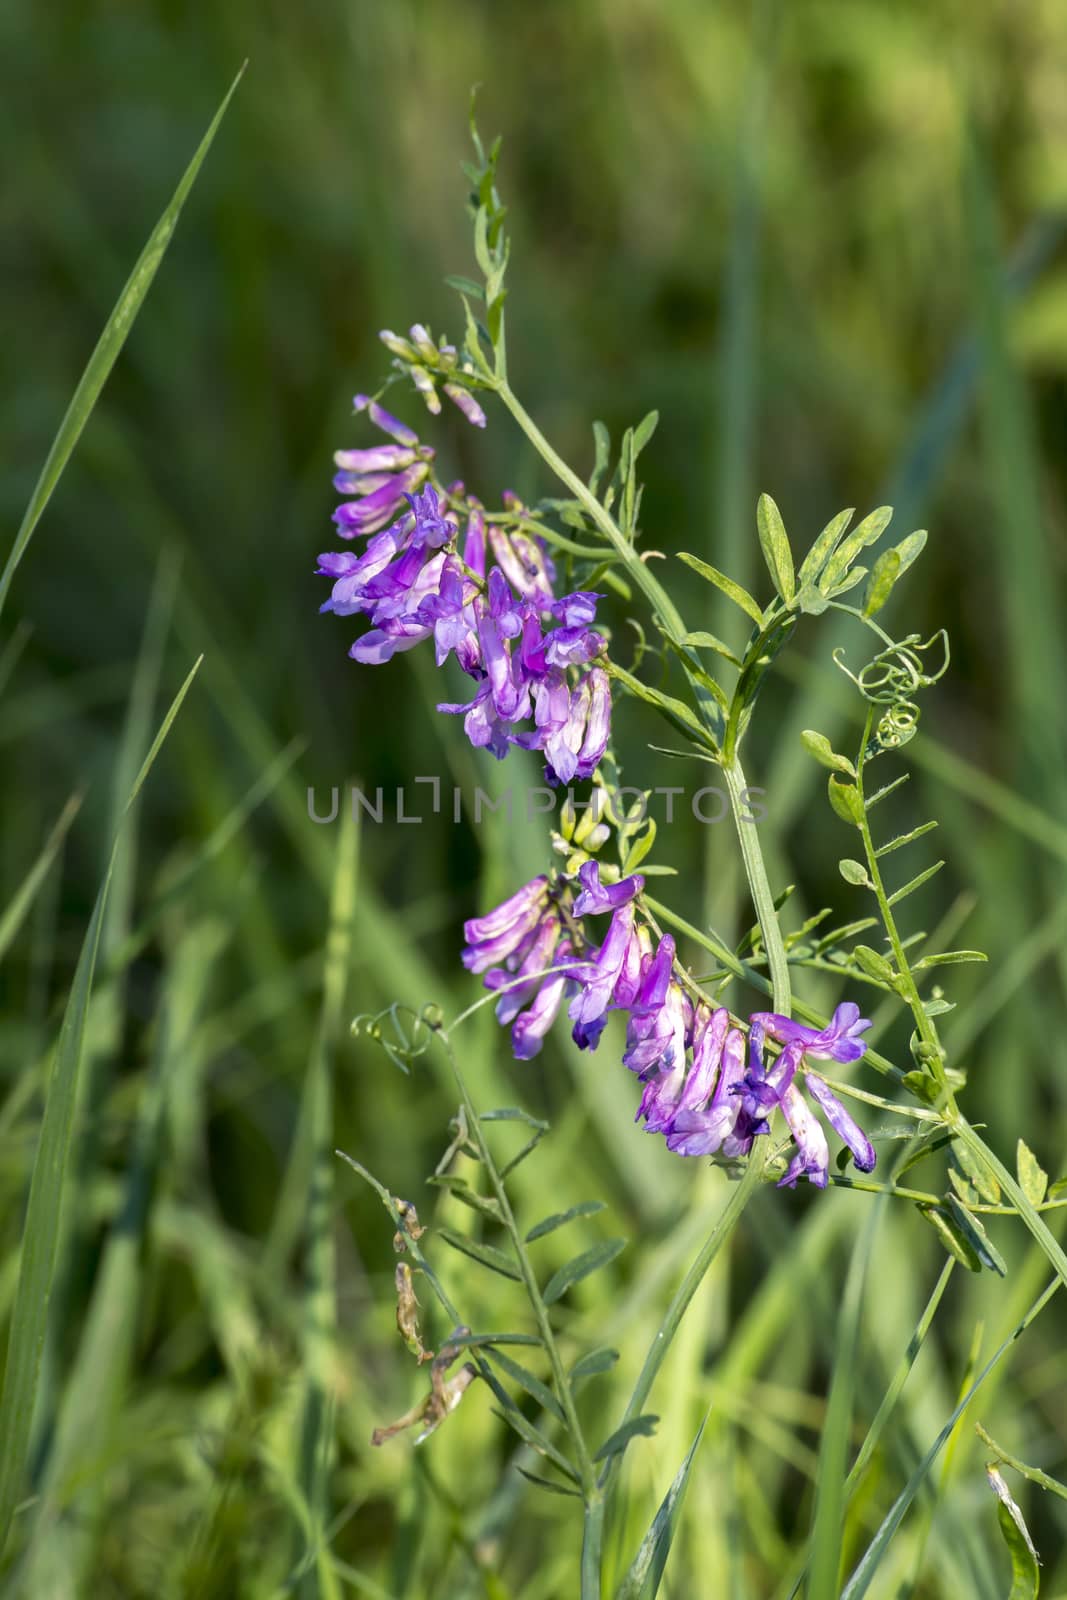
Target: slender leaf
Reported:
point(643, 1579)
point(587, 1208)
point(774, 542)
point(486, 1255)
point(581, 1267)
point(643, 1426)
point(110, 343)
point(732, 590)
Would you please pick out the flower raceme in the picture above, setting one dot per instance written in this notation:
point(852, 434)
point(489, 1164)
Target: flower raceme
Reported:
point(488, 598)
point(702, 1089)
point(533, 656)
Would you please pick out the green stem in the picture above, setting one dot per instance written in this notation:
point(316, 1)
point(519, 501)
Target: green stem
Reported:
point(724, 1226)
point(909, 989)
point(759, 885)
point(586, 1470)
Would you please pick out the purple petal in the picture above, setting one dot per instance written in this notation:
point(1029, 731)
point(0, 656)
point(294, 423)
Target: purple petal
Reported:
point(842, 1123)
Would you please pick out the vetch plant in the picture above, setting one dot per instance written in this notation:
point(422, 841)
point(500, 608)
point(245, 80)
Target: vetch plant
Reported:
point(513, 594)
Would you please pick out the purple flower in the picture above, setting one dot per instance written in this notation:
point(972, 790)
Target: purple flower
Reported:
point(485, 729)
point(665, 1087)
point(572, 725)
point(380, 477)
point(575, 643)
point(812, 1158)
point(598, 978)
point(530, 1028)
point(699, 1129)
point(653, 1035)
point(474, 544)
point(535, 962)
point(524, 563)
point(840, 1041)
point(501, 932)
point(596, 897)
point(762, 1090)
point(431, 528)
point(842, 1123)
point(466, 403)
point(452, 616)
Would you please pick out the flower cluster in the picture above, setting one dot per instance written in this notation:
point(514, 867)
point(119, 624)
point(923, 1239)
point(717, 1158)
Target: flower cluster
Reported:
point(702, 1090)
point(532, 655)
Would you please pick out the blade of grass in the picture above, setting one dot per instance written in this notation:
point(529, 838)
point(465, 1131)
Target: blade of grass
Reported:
point(107, 350)
point(29, 1318)
point(17, 907)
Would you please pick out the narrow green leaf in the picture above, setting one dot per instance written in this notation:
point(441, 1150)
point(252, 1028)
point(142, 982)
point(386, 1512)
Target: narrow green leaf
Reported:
point(969, 1225)
point(465, 286)
point(865, 533)
point(854, 872)
point(640, 848)
point(40, 1236)
point(475, 1341)
point(17, 907)
point(1033, 1179)
point(708, 641)
point(644, 431)
point(107, 349)
point(587, 1208)
point(774, 542)
point(854, 577)
point(915, 883)
point(956, 1243)
point(581, 1267)
point(486, 1255)
point(819, 746)
point(949, 958)
point(884, 574)
point(595, 1362)
point(880, 794)
point(643, 1426)
point(977, 1173)
point(602, 448)
point(1025, 1577)
point(676, 711)
point(905, 838)
point(513, 1114)
point(533, 1386)
point(732, 590)
point(813, 563)
point(510, 1413)
point(546, 1483)
point(910, 549)
point(485, 1205)
point(643, 1579)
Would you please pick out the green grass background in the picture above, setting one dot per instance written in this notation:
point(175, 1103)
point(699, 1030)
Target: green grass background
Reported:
point(826, 241)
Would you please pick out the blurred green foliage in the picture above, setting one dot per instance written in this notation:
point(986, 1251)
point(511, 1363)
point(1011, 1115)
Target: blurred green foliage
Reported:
point(826, 242)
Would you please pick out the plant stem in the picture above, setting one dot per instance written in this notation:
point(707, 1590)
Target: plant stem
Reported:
point(759, 885)
point(590, 1490)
